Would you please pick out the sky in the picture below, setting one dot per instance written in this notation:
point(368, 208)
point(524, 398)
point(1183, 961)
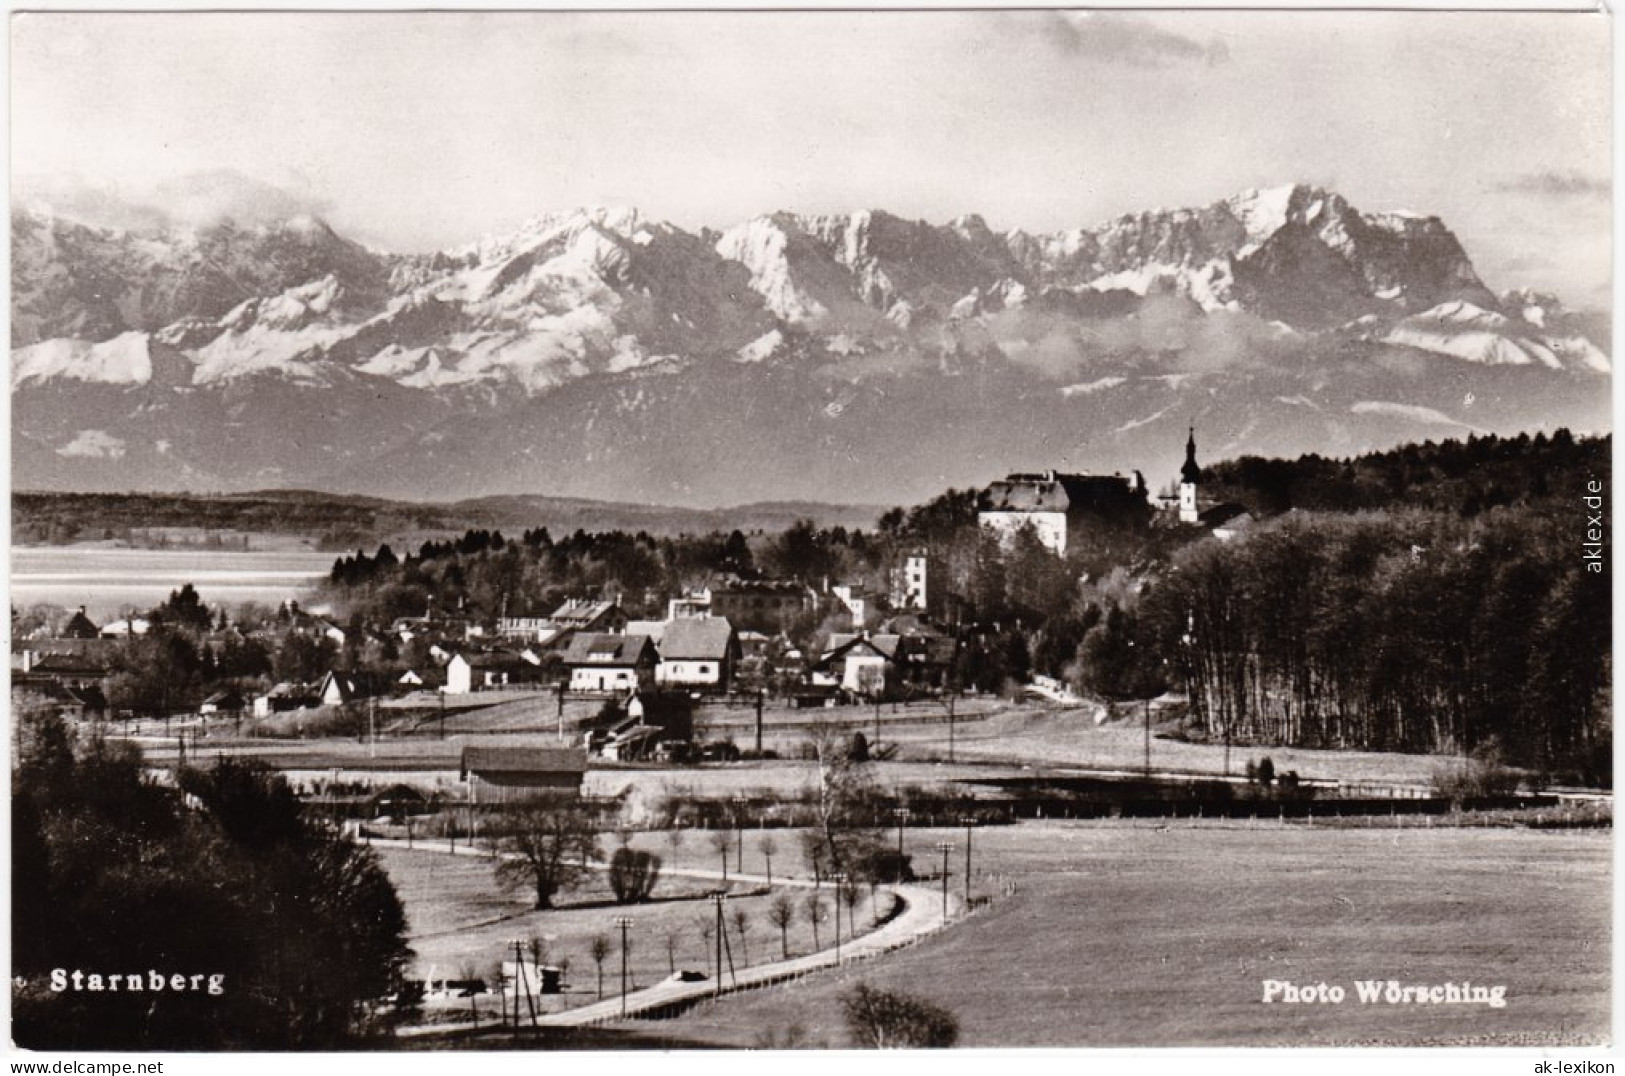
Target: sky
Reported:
point(424, 131)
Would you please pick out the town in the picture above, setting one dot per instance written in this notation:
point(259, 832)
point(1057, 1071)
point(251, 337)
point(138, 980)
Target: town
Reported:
point(795, 753)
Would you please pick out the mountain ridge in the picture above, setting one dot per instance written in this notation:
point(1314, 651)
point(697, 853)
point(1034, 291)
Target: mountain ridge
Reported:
point(598, 348)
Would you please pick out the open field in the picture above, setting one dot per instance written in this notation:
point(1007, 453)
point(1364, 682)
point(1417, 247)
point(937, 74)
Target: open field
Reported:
point(461, 922)
point(1162, 935)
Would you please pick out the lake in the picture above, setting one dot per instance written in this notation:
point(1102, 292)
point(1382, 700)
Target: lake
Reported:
point(106, 581)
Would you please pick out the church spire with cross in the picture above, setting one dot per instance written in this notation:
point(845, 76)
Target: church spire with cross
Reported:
point(1189, 476)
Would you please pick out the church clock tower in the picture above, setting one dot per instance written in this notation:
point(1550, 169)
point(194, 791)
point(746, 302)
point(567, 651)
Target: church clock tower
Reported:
point(1189, 476)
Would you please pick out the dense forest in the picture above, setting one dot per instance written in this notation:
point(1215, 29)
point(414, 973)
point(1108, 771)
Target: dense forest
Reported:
point(1461, 478)
point(296, 926)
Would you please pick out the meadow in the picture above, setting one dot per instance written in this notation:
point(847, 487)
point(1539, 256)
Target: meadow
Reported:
point(1152, 934)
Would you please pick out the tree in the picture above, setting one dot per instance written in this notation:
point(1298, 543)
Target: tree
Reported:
point(672, 935)
point(882, 1020)
point(781, 913)
point(741, 924)
point(184, 610)
point(548, 842)
point(815, 912)
point(600, 949)
point(120, 873)
point(768, 846)
point(720, 843)
point(633, 874)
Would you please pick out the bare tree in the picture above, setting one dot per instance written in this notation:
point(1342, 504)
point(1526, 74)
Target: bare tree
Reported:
point(815, 912)
point(548, 843)
point(741, 923)
point(720, 842)
point(672, 934)
point(781, 914)
point(768, 846)
point(600, 952)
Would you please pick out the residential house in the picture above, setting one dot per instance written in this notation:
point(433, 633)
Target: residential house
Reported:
point(284, 697)
point(486, 670)
point(339, 688)
point(79, 626)
point(599, 661)
point(698, 652)
point(884, 663)
point(224, 702)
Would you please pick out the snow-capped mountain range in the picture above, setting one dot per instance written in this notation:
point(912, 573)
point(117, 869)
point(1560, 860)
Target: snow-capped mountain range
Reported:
point(860, 357)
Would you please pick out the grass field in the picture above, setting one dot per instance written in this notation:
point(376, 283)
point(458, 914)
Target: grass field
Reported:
point(1162, 935)
point(461, 922)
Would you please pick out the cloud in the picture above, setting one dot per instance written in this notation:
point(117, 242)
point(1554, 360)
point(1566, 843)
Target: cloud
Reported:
point(1172, 327)
point(1558, 184)
point(93, 444)
point(1121, 39)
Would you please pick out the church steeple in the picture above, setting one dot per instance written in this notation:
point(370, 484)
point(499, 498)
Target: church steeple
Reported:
point(1189, 476)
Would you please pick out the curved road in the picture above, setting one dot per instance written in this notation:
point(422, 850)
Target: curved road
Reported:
point(921, 915)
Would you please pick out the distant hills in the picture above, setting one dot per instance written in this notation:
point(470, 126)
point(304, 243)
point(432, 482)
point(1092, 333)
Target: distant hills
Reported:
point(342, 521)
point(598, 355)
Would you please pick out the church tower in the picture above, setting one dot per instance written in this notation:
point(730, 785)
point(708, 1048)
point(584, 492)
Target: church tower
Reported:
point(1189, 476)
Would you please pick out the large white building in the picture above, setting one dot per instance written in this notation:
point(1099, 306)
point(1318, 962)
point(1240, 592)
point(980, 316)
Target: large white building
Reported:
point(1055, 505)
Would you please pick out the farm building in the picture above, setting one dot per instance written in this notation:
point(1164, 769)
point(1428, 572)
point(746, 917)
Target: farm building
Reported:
point(496, 772)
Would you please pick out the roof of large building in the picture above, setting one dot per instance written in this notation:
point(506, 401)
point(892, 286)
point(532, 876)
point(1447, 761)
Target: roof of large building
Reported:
point(692, 638)
point(600, 648)
point(1052, 491)
point(520, 759)
point(581, 612)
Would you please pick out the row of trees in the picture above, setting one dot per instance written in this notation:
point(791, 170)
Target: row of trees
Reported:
point(484, 575)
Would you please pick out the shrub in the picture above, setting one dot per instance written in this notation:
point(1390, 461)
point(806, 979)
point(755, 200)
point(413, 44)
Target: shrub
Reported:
point(883, 1019)
point(633, 874)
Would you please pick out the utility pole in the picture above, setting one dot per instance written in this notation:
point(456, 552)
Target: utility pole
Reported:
point(967, 822)
point(1147, 703)
point(759, 697)
point(442, 715)
point(717, 898)
point(561, 711)
point(840, 884)
point(624, 923)
point(950, 727)
point(945, 847)
point(902, 814)
point(739, 830)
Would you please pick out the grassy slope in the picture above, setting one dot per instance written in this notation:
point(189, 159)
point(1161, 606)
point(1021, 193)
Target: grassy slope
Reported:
point(1135, 936)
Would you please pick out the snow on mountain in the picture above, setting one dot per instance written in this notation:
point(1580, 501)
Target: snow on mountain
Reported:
point(1410, 413)
point(123, 360)
point(568, 336)
point(1466, 331)
point(1089, 388)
